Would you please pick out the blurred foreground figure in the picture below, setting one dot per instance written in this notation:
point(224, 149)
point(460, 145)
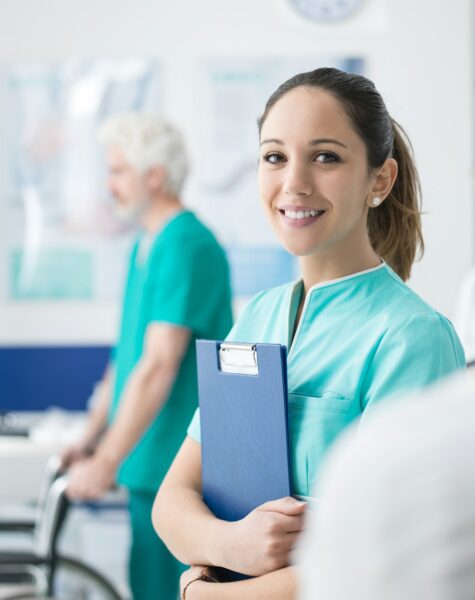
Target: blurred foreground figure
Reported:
point(397, 516)
point(465, 317)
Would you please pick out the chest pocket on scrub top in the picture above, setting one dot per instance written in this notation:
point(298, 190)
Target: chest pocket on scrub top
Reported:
point(314, 422)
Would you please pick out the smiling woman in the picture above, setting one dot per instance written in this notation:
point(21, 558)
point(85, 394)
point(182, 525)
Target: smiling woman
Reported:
point(343, 152)
point(338, 184)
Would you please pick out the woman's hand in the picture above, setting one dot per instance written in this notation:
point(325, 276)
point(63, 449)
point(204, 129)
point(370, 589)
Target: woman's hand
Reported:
point(262, 541)
point(197, 589)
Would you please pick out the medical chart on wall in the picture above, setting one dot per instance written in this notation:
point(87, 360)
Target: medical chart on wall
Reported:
point(63, 240)
point(234, 93)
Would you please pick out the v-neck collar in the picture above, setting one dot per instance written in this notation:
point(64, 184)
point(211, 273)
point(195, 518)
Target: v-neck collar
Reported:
point(148, 239)
point(296, 291)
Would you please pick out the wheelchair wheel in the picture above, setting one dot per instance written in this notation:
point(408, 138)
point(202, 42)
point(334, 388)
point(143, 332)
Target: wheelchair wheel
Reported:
point(74, 580)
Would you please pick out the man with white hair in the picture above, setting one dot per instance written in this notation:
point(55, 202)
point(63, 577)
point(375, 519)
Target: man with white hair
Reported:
point(177, 290)
point(396, 516)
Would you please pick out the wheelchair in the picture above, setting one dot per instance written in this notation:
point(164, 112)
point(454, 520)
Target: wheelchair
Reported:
point(41, 571)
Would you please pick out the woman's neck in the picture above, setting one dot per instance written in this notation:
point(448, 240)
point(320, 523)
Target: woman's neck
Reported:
point(320, 267)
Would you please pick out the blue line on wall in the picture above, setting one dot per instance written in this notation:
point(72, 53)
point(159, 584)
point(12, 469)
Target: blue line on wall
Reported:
point(35, 378)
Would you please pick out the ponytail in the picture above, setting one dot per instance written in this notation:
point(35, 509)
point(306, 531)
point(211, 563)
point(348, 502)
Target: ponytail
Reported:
point(395, 226)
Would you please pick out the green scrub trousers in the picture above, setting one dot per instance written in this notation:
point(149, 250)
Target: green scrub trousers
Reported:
point(154, 574)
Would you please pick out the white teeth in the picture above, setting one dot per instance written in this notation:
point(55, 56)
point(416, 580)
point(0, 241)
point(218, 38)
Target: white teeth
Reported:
point(302, 214)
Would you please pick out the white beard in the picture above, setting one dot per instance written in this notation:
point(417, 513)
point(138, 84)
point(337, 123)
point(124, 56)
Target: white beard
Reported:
point(131, 214)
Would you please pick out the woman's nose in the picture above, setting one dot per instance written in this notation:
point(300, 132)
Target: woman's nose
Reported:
point(298, 181)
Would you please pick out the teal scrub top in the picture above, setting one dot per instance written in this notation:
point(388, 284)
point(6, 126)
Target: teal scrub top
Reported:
point(182, 279)
point(361, 339)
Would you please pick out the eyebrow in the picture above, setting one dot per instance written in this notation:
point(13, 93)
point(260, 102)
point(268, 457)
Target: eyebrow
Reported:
point(311, 143)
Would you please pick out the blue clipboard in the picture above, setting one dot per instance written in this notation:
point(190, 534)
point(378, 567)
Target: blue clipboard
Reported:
point(244, 426)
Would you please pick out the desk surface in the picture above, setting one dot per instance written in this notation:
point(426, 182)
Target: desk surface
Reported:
point(23, 459)
point(22, 468)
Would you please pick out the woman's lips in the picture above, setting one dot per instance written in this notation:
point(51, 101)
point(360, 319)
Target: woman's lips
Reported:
point(300, 217)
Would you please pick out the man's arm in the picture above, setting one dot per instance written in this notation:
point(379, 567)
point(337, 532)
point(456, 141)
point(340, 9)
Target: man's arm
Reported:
point(96, 423)
point(278, 585)
point(257, 544)
point(145, 393)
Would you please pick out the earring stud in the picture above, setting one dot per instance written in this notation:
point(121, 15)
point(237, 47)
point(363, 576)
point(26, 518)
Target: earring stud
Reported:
point(376, 201)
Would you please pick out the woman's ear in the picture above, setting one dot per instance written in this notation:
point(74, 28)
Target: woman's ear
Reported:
point(383, 183)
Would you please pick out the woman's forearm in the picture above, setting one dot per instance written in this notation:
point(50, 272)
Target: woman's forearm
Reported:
point(257, 544)
point(200, 538)
point(278, 585)
point(181, 518)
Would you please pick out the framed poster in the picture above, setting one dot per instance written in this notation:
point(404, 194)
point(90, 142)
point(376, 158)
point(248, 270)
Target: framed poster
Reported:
point(62, 239)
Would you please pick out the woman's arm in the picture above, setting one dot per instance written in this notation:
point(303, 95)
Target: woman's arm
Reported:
point(278, 585)
point(257, 544)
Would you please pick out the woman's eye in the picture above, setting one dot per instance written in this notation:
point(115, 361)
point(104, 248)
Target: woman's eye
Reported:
point(274, 158)
point(327, 157)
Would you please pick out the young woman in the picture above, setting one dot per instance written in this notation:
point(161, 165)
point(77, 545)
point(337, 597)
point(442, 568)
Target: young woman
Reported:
point(339, 186)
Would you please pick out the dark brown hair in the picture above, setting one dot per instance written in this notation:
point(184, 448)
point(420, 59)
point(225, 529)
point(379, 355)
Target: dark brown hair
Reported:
point(395, 226)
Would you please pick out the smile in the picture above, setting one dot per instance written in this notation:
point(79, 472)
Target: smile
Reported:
point(300, 218)
point(302, 214)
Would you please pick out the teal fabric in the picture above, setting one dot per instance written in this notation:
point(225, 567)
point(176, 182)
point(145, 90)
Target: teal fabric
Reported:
point(183, 280)
point(154, 573)
point(361, 340)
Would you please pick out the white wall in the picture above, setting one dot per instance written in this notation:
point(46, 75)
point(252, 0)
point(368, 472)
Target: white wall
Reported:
point(417, 52)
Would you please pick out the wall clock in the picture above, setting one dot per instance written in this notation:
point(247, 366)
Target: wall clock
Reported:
point(325, 11)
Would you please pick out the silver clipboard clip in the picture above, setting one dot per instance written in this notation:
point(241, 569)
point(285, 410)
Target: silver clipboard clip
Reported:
point(238, 358)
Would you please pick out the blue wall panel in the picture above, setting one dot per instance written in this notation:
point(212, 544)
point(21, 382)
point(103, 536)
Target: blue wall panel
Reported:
point(34, 378)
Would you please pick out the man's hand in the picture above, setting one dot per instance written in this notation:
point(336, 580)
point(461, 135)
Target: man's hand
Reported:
point(90, 478)
point(262, 541)
point(72, 454)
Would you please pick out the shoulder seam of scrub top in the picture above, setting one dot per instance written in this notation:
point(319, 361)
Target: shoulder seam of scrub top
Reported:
point(159, 238)
point(285, 288)
point(183, 242)
point(411, 292)
point(172, 219)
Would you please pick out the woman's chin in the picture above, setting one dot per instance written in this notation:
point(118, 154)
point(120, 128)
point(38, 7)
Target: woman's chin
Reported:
point(298, 249)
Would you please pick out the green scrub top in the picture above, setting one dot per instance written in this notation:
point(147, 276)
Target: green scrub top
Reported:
point(181, 278)
point(360, 339)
